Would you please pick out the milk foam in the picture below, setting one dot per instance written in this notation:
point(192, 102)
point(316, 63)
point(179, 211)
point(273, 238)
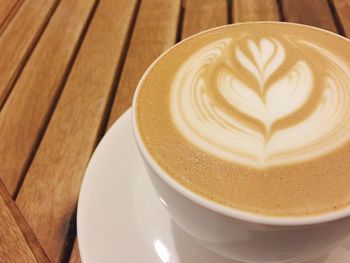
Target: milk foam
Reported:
point(219, 111)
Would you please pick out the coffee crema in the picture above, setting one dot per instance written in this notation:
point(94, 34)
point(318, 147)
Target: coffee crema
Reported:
point(254, 116)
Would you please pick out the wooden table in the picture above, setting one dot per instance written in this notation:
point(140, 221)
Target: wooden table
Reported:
point(68, 70)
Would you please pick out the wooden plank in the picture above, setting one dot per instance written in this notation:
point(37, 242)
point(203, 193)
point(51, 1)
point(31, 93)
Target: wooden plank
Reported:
point(8, 9)
point(5, 9)
point(50, 190)
point(155, 31)
point(75, 257)
point(27, 109)
point(203, 14)
point(13, 244)
point(311, 12)
point(17, 42)
point(342, 8)
point(255, 10)
point(21, 238)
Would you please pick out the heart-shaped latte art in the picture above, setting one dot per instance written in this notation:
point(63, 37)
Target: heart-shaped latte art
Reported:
point(248, 102)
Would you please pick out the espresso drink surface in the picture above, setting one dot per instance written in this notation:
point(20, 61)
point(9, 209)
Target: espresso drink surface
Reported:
point(254, 116)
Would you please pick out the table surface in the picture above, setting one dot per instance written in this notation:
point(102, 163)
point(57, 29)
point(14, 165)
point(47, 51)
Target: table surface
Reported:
point(68, 70)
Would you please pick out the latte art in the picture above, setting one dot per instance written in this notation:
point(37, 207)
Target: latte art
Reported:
point(249, 102)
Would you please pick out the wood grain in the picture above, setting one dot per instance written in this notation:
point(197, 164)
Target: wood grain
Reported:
point(255, 10)
point(8, 9)
point(75, 256)
point(155, 31)
point(311, 12)
point(203, 14)
point(5, 9)
point(342, 8)
point(13, 246)
point(17, 42)
point(26, 111)
point(8, 205)
point(50, 190)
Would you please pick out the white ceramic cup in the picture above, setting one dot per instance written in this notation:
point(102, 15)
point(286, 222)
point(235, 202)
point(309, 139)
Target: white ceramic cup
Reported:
point(238, 234)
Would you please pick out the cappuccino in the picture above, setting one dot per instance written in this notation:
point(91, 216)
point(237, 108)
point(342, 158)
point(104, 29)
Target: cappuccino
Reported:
point(253, 116)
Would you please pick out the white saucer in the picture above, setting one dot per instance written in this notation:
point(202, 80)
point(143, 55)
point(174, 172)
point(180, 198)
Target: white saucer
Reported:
point(120, 218)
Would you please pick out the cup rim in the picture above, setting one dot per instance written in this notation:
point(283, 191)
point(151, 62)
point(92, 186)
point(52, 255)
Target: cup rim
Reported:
point(212, 205)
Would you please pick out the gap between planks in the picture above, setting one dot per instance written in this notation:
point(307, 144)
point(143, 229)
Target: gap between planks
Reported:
point(19, 40)
point(8, 9)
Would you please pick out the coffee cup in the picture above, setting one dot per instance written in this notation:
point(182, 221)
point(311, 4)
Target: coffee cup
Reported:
point(276, 191)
